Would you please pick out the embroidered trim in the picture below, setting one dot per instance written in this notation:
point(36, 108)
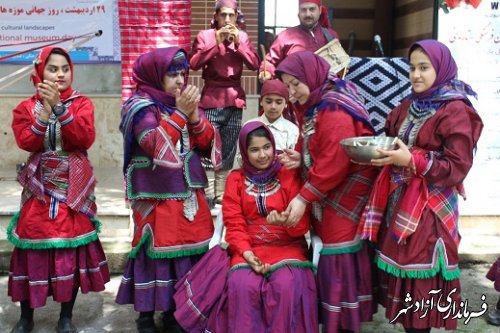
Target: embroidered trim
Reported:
point(345, 247)
point(51, 243)
point(166, 252)
point(189, 181)
point(438, 265)
point(280, 264)
point(144, 162)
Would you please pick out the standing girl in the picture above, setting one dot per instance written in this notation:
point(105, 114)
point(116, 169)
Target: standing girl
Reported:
point(414, 200)
point(337, 188)
point(165, 135)
point(268, 285)
point(57, 250)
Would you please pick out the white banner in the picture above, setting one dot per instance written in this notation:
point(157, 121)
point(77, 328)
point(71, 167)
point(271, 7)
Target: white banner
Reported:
point(473, 36)
point(28, 24)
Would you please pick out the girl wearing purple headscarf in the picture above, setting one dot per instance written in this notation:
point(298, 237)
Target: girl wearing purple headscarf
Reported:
point(337, 188)
point(412, 212)
point(270, 286)
point(165, 136)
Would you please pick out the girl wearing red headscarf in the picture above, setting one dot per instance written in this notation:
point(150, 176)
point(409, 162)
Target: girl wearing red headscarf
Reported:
point(57, 250)
point(412, 212)
point(337, 188)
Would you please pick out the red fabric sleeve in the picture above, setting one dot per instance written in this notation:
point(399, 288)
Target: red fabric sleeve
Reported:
point(204, 48)
point(291, 184)
point(174, 125)
point(273, 57)
point(450, 136)
point(232, 213)
point(455, 129)
point(331, 163)
point(202, 134)
point(247, 52)
point(29, 133)
point(77, 125)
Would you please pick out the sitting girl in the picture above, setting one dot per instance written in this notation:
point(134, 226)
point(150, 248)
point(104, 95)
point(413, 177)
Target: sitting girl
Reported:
point(270, 285)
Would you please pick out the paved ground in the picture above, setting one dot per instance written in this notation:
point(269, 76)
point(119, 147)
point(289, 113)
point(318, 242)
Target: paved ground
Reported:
point(97, 312)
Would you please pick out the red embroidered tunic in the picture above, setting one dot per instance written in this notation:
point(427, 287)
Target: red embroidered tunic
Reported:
point(172, 234)
point(248, 230)
point(340, 185)
point(449, 135)
point(222, 66)
point(53, 174)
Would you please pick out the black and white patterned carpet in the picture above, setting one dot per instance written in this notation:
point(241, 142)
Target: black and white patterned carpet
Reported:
point(383, 82)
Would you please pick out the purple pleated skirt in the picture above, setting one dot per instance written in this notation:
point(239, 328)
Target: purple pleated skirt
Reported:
point(211, 299)
point(149, 283)
point(494, 274)
point(198, 293)
point(284, 302)
point(345, 287)
point(37, 274)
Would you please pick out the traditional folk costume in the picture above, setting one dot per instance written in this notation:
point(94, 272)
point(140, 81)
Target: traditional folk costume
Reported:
point(223, 98)
point(282, 301)
point(337, 189)
point(164, 183)
point(299, 38)
point(413, 211)
point(57, 249)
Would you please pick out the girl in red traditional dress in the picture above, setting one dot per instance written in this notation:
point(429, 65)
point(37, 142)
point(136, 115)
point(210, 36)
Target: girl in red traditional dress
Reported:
point(413, 209)
point(57, 250)
point(268, 284)
point(337, 188)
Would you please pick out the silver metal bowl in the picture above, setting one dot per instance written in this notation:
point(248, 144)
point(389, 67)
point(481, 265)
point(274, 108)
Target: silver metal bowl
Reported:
point(362, 149)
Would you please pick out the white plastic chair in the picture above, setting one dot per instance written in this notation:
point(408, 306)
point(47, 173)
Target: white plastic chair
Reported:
point(317, 246)
point(218, 231)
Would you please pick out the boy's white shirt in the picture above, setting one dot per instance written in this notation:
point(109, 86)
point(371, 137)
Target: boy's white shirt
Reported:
point(284, 131)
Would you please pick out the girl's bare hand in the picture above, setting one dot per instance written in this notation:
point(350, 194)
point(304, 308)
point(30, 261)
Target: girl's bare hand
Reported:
point(399, 157)
point(276, 218)
point(257, 265)
point(187, 100)
point(290, 158)
point(296, 209)
point(49, 92)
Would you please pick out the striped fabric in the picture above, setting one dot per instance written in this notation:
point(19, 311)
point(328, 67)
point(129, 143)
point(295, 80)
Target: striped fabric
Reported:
point(228, 122)
point(67, 179)
point(444, 203)
point(147, 25)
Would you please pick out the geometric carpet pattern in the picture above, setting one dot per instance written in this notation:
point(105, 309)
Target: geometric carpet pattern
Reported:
point(383, 83)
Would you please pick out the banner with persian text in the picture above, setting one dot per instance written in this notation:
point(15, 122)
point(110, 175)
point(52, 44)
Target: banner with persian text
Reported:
point(28, 25)
point(473, 36)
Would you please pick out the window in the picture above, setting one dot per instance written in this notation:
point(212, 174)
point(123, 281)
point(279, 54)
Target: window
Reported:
point(279, 15)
